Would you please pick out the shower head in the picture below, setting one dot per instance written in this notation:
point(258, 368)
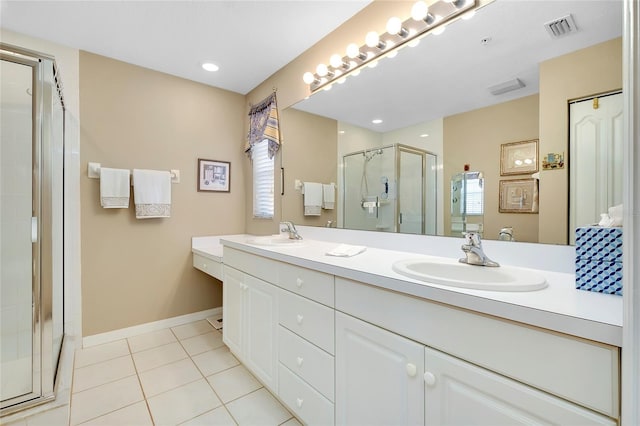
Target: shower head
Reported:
point(368, 155)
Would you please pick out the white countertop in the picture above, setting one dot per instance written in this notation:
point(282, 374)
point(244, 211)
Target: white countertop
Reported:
point(559, 307)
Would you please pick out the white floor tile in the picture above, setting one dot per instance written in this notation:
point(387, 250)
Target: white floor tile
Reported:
point(100, 353)
point(218, 417)
point(214, 361)
point(98, 374)
point(151, 340)
point(183, 403)
point(156, 357)
point(202, 343)
point(192, 329)
point(258, 408)
point(57, 416)
point(168, 377)
point(292, 422)
point(104, 399)
point(133, 415)
point(233, 383)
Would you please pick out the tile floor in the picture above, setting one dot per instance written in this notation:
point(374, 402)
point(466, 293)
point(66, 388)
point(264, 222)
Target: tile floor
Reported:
point(184, 375)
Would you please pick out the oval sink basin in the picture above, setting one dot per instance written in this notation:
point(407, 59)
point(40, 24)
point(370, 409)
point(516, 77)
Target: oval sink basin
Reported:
point(275, 240)
point(455, 274)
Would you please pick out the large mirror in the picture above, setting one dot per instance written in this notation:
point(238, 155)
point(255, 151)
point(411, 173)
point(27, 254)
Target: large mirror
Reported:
point(436, 98)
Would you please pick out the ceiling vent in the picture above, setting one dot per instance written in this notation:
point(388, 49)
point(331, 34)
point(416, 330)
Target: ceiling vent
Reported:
point(561, 27)
point(507, 86)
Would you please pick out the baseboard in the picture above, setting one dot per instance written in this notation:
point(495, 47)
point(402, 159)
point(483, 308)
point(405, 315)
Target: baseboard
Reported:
point(123, 333)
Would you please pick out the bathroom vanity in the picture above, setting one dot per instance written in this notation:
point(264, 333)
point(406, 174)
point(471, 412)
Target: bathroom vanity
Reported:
point(349, 341)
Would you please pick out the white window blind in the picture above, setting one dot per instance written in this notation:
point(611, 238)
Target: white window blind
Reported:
point(474, 197)
point(263, 177)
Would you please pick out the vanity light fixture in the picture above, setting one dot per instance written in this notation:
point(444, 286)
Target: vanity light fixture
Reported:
point(423, 20)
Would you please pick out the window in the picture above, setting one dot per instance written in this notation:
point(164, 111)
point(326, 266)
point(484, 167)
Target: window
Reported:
point(263, 177)
point(473, 196)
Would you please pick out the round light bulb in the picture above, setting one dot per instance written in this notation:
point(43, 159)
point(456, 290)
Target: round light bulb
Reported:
point(322, 70)
point(308, 77)
point(341, 80)
point(394, 25)
point(353, 50)
point(356, 72)
point(335, 60)
point(372, 64)
point(372, 38)
point(469, 15)
point(419, 11)
point(439, 30)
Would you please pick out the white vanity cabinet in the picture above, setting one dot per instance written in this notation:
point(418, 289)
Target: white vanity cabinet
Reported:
point(378, 376)
point(250, 310)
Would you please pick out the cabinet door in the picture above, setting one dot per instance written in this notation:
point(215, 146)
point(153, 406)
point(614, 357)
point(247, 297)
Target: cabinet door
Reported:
point(261, 316)
point(378, 376)
point(232, 302)
point(459, 393)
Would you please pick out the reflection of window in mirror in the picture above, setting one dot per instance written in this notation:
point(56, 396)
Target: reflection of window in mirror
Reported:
point(467, 203)
point(263, 180)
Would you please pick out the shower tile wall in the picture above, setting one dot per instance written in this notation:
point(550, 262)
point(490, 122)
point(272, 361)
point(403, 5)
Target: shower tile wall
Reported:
point(15, 231)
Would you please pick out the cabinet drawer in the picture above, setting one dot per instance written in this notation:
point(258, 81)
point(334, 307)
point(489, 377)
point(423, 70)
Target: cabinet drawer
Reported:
point(311, 407)
point(306, 318)
point(208, 266)
point(315, 285)
point(579, 370)
point(259, 267)
point(309, 362)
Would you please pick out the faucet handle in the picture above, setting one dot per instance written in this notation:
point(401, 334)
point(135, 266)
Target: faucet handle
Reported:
point(473, 239)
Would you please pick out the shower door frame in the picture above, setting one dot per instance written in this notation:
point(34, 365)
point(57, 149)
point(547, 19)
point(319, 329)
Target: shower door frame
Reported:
point(43, 368)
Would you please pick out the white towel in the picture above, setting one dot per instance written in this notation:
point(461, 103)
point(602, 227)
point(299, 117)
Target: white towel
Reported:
point(328, 196)
point(345, 250)
point(312, 198)
point(114, 188)
point(152, 193)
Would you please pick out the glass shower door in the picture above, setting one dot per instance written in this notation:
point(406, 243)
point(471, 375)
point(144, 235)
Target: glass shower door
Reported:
point(411, 191)
point(18, 256)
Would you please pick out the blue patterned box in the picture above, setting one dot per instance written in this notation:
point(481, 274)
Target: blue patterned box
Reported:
point(599, 259)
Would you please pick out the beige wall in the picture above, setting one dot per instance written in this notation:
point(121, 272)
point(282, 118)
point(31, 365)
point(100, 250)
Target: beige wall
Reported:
point(138, 271)
point(309, 152)
point(474, 138)
point(594, 70)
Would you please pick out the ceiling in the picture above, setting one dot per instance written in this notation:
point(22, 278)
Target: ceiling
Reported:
point(451, 73)
point(248, 40)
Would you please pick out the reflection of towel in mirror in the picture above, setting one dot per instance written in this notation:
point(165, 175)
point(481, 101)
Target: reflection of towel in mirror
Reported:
point(114, 188)
point(328, 196)
point(152, 193)
point(312, 198)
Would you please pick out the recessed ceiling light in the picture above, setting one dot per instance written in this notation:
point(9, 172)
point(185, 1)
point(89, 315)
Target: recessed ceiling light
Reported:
point(424, 135)
point(376, 121)
point(341, 132)
point(210, 66)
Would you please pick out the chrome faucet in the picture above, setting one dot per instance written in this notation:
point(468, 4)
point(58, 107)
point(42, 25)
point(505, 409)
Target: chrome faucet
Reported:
point(291, 229)
point(474, 253)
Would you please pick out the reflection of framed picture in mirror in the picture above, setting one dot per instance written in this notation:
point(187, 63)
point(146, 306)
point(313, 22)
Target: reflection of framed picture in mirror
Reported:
point(517, 158)
point(518, 196)
point(214, 175)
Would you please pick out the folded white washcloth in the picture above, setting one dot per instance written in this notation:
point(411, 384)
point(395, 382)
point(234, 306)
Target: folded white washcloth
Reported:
point(312, 198)
point(114, 188)
point(345, 250)
point(328, 196)
point(152, 193)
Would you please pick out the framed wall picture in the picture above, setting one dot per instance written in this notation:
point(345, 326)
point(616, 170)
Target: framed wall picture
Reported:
point(214, 175)
point(517, 158)
point(518, 196)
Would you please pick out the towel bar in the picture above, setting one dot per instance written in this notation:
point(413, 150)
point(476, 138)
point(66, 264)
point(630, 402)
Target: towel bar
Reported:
point(93, 171)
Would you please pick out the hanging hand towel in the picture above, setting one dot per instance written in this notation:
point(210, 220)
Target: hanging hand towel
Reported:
point(312, 198)
point(114, 188)
point(152, 193)
point(328, 196)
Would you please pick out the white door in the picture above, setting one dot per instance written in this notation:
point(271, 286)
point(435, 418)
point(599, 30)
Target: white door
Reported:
point(232, 307)
point(595, 159)
point(459, 393)
point(378, 376)
point(261, 319)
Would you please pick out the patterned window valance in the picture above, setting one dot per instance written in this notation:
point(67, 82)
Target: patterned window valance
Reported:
point(263, 124)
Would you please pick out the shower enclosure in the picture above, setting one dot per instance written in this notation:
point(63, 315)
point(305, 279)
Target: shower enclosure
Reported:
point(391, 188)
point(31, 230)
